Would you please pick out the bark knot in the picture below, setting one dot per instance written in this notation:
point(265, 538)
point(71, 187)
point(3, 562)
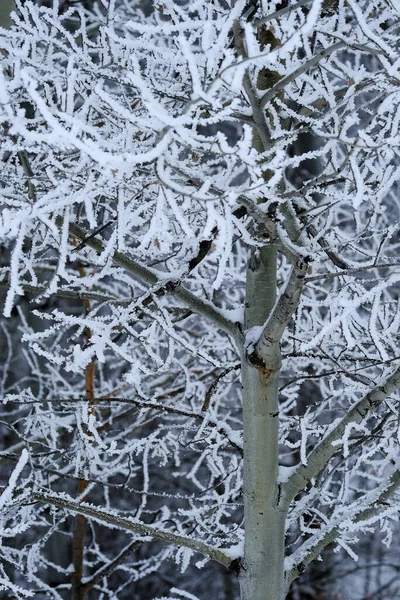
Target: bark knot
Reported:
point(256, 361)
point(236, 565)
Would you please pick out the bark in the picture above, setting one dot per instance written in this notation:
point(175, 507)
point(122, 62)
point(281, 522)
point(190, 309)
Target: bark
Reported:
point(78, 592)
point(6, 8)
point(261, 576)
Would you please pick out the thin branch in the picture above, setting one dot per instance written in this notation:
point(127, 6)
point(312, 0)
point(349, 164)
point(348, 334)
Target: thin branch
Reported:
point(309, 64)
point(129, 524)
point(213, 387)
point(79, 295)
point(313, 231)
point(353, 271)
point(322, 453)
point(151, 406)
point(93, 234)
point(284, 308)
point(315, 60)
point(24, 160)
point(105, 484)
point(151, 277)
point(78, 538)
point(78, 546)
point(280, 13)
point(259, 115)
point(109, 568)
point(315, 546)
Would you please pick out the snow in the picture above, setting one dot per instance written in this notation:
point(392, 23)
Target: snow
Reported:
point(6, 495)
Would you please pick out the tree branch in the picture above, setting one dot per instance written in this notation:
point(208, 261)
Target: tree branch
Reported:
point(109, 567)
point(317, 544)
point(279, 13)
point(353, 271)
point(129, 524)
point(159, 406)
point(151, 277)
point(322, 453)
point(315, 60)
point(79, 295)
point(284, 308)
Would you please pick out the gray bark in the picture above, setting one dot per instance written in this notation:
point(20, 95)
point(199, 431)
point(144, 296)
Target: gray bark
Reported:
point(6, 8)
point(261, 576)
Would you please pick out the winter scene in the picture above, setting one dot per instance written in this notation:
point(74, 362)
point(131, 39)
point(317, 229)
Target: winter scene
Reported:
point(199, 291)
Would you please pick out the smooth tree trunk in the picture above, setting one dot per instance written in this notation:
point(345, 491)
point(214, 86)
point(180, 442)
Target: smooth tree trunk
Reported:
point(262, 572)
point(6, 8)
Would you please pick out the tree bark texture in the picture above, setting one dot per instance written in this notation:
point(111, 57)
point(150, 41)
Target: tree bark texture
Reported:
point(262, 573)
point(6, 8)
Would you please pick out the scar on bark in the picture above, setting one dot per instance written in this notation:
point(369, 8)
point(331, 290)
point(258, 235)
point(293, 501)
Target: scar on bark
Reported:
point(257, 362)
point(236, 566)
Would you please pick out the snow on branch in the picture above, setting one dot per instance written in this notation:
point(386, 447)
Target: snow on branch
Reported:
point(284, 308)
point(6, 495)
point(151, 277)
point(115, 520)
point(322, 453)
point(311, 549)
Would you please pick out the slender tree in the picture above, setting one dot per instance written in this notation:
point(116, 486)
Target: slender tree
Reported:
point(213, 344)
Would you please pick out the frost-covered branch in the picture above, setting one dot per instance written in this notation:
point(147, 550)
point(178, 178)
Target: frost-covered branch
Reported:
point(280, 13)
point(306, 66)
point(78, 294)
point(109, 567)
point(323, 452)
point(152, 277)
point(284, 308)
point(232, 437)
point(128, 524)
point(353, 271)
point(312, 548)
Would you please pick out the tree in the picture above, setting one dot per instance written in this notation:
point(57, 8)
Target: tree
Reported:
point(213, 343)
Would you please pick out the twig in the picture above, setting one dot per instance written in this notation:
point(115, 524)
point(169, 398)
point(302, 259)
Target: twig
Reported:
point(109, 568)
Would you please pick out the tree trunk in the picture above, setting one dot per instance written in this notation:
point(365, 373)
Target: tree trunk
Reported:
point(262, 572)
point(6, 8)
